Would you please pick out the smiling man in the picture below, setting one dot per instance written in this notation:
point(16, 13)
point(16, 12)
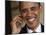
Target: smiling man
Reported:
point(30, 14)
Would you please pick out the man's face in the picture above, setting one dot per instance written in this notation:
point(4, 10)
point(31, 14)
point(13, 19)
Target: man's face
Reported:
point(30, 12)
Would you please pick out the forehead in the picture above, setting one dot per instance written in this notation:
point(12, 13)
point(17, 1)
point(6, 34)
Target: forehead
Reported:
point(29, 4)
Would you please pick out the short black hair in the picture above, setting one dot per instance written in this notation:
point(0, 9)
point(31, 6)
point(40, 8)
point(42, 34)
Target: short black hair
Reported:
point(39, 4)
point(20, 2)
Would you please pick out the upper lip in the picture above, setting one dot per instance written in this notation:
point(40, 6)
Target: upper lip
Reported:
point(30, 17)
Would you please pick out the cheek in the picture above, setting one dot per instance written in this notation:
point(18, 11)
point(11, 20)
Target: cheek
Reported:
point(37, 12)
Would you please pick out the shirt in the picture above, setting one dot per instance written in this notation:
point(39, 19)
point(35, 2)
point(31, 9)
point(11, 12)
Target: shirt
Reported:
point(38, 29)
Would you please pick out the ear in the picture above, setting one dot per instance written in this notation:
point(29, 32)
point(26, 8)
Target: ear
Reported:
point(41, 13)
point(40, 8)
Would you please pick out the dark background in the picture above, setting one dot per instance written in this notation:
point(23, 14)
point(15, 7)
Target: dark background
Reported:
point(7, 17)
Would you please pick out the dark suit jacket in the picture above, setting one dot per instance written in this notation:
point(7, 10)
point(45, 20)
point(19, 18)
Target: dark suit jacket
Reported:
point(24, 29)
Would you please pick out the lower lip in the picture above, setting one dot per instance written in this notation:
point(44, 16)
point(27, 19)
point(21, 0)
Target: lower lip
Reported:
point(32, 19)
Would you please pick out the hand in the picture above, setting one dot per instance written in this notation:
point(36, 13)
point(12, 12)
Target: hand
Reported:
point(16, 24)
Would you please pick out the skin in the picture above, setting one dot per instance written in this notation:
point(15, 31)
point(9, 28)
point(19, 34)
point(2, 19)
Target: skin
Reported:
point(28, 10)
point(31, 10)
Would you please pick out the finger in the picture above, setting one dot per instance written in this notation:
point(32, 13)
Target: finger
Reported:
point(17, 18)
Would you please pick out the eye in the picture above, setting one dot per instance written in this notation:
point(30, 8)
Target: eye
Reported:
point(33, 8)
point(24, 10)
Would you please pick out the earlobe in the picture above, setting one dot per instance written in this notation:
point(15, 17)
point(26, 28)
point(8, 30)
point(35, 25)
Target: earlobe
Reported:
point(40, 7)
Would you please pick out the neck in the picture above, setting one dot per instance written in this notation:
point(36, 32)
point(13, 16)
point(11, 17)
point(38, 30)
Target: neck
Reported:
point(33, 28)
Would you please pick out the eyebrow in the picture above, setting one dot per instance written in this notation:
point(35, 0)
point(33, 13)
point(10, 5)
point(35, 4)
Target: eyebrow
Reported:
point(24, 9)
point(30, 7)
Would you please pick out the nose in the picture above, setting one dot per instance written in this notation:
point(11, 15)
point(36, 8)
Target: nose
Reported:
point(30, 13)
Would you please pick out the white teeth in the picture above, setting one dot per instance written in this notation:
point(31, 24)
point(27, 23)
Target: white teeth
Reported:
point(32, 19)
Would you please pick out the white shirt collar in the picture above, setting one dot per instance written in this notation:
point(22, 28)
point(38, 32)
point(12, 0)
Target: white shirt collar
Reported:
point(38, 29)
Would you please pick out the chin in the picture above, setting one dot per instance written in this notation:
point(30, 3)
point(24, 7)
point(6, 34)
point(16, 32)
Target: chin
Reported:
point(31, 24)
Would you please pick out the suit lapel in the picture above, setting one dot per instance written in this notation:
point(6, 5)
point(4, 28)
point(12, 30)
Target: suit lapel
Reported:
point(24, 30)
point(42, 28)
